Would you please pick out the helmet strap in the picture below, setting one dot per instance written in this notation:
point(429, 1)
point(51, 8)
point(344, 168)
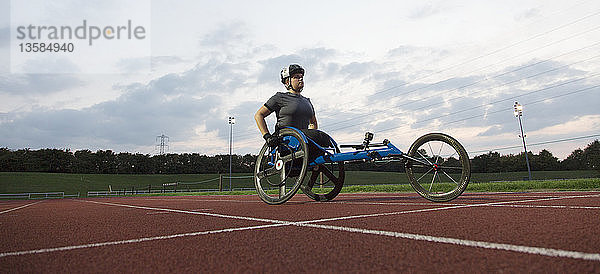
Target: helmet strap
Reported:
point(289, 86)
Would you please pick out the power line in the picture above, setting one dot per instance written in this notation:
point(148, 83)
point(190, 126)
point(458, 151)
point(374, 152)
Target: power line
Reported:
point(503, 100)
point(473, 83)
point(497, 50)
point(487, 78)
point(488, 54)
point(493, 112)
point(509, 98)
point(476, 82)
point(536, 144)
point(503, 110)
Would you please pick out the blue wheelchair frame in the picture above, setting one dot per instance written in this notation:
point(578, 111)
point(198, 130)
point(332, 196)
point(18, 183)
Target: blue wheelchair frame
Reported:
point(424, 170)
point(330, 157)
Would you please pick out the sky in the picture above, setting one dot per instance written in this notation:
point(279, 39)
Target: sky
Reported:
point(399, 69)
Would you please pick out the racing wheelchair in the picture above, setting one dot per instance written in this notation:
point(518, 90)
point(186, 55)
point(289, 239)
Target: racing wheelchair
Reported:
point(436, 164)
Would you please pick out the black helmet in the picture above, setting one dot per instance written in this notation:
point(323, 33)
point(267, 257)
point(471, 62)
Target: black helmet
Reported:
point(290, 70)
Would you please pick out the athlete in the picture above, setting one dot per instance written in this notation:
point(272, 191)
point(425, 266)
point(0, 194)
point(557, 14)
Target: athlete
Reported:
point(292, 110)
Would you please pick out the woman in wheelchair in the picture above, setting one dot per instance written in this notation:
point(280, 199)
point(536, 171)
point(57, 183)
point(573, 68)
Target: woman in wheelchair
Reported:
point(292, 110)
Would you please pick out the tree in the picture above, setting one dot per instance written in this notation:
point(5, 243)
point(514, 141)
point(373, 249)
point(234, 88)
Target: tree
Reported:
point(106, 161)
point(85, 162)
point(575, 161)
point(545, 161)
point(592, 155)
point(489, 162)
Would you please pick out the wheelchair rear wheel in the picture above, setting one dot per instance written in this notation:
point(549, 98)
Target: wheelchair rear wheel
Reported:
point(279, 171)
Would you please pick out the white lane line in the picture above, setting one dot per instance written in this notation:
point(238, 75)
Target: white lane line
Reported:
point(157, 213)
point(469, 243)
point(348, 217)
point(139, 240)
point(444, 208)
point(166, 212)
point(550, 206)
point(189, 212)
point(431, 204)
point(521, 206)
point(393, 203)
point(203, 200)
point(310, 223)
point(17, 208)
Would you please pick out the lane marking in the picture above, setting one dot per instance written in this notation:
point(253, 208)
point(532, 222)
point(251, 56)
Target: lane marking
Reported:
point(550, 206)
point(429, 204)
point(165, 212)
point(310, 223)
point(188, 212)
point(156, 213)
point(392, 203)
point(444, 208)
point(139, 240)
point(352, 216)
point(203, 200)
point(20, 207)
point(550, 252)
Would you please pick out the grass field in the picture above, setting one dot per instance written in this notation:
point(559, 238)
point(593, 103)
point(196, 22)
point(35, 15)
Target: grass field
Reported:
point(22, 182)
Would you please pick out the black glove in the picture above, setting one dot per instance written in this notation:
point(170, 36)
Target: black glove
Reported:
point(272, 140)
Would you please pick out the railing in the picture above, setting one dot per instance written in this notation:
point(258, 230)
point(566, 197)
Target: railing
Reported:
point(38, 195)
point(155, 191)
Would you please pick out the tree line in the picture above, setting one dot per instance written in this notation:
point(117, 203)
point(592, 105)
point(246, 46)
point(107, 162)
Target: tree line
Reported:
point(109, 162)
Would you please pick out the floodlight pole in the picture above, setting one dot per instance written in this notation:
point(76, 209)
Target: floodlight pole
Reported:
point(518, 113)
point(231, 122)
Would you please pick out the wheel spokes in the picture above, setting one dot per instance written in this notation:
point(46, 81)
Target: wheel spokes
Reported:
point(267, 173)
point(292, 156)
point(329, 174)
point(450, 177)
point(432, 180)
point(424, 174)
point(429, 166)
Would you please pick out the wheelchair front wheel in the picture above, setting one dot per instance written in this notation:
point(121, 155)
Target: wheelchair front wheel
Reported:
point(279, 171)
point(438, 167)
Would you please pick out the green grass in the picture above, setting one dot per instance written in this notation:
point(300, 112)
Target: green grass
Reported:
point(559, 185)
point(22, 182)
point(589, 184)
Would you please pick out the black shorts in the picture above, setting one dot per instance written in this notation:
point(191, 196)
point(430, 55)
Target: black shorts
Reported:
point(318, 137)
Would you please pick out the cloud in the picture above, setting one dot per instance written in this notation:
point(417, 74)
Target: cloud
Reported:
point(576, 125)
point(528, 14)
point(130, 121)
point(313, 60)
point(424, 11)
point(37, 84)
point(493, 131)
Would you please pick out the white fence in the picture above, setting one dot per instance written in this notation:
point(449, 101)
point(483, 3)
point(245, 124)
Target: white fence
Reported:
point(38, 195)
point(154, 191)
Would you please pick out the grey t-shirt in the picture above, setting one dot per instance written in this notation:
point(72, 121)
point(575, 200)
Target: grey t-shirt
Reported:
point(292, 110)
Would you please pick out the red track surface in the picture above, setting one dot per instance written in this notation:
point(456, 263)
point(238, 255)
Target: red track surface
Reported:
point(516, 232)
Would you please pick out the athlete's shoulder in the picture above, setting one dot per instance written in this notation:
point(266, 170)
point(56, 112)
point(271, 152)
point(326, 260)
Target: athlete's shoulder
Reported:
point(279, 94)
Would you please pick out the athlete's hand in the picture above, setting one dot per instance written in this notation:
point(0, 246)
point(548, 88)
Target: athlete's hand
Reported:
point(272, 140)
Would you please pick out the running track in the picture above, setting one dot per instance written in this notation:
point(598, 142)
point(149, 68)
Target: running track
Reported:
point(368, 232)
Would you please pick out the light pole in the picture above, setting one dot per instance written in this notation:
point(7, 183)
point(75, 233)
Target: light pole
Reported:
point(519, 113)
point(231, 122)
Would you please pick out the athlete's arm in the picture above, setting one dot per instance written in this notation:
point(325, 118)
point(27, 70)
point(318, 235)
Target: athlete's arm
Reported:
point(260, 119)
point(312, 124)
